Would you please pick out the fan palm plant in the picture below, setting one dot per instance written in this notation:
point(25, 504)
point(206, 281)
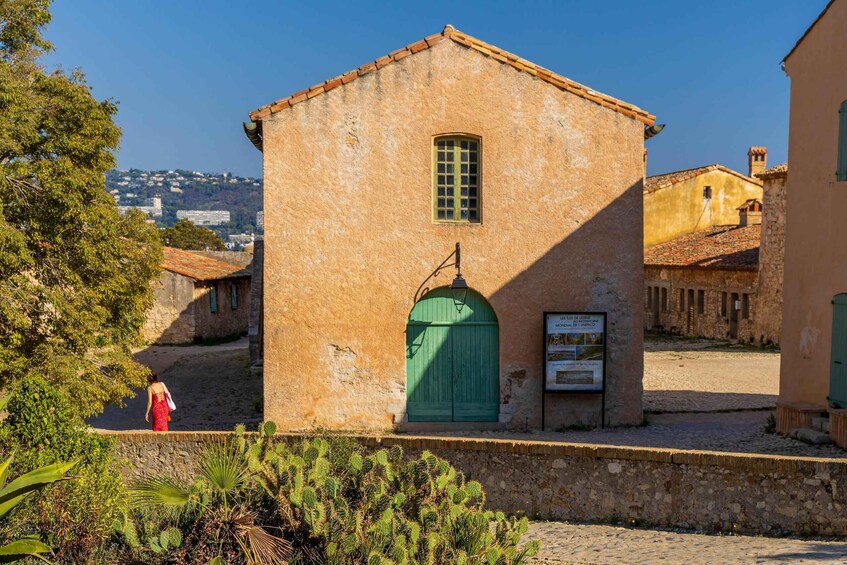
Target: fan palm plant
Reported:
point(17, 491)
point(215, 509)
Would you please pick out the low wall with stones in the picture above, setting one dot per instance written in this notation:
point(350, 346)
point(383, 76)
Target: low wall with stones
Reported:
point(708, 491)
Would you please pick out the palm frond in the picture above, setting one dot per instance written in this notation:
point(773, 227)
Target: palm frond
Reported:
point(224, 467)
point(265, 548)
point(161, 491)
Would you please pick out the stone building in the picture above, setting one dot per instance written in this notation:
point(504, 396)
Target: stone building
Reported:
point(704, 284)
point(198, 297)
point(813, 370)
point(370, 180)
point(768, 320)
point(692, 200)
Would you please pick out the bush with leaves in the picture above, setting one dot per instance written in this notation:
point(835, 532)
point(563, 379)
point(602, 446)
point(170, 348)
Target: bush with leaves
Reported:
point(42, 429)
point(332, 503)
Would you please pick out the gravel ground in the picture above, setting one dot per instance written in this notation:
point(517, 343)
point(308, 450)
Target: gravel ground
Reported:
point(683, 375)
point(562, 542)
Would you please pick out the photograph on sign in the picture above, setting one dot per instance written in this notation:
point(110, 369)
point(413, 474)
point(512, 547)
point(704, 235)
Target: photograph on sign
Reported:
point(574, 352)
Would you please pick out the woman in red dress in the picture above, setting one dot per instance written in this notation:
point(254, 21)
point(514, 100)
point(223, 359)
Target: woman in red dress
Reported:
point(156, 398)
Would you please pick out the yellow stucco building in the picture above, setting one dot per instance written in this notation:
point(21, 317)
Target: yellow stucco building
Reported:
point(684, 202)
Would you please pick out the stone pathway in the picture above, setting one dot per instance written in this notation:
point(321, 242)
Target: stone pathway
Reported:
point(562, 543)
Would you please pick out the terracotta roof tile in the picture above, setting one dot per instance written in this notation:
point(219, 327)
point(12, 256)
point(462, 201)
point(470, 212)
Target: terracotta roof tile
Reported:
point(199, 267)
point(657, 182)
point(725, 247)
point(778, 171)
point(757, 150)
point(489, 50)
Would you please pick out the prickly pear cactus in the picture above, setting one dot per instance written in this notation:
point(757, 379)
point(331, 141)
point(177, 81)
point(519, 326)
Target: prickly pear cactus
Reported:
point(381, 508)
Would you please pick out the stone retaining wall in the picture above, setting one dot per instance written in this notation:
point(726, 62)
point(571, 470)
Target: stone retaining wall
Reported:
point(701, 490)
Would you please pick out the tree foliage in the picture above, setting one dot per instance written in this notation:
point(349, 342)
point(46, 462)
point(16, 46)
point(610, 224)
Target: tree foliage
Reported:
point(185, 235)
point(74, 274)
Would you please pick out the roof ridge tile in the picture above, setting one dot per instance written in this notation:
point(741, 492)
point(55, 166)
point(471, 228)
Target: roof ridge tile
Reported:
point(450, 32)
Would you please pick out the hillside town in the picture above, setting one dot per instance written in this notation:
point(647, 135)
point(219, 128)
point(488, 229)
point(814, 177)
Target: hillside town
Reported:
point(460, 317)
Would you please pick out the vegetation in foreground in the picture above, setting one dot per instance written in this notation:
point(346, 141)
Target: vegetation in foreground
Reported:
point(262, 500)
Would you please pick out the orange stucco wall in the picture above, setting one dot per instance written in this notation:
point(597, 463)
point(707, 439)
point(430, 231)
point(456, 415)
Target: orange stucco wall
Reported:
point(816, 209)
point(349, 236)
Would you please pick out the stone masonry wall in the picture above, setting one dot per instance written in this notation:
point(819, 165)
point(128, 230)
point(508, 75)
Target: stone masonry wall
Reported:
point(683, 316)
point(771, 261)
point(710, 491)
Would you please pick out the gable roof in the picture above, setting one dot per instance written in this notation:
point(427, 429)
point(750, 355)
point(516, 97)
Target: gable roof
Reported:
point(724, 247)
point(808, 30)
point(457, 36)
point(658, 182)
point(199, 267)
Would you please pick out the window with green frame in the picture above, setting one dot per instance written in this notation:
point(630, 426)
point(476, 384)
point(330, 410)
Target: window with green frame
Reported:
point(213, 299)
point(233, 296)
point(841, 174)
point(457, 190)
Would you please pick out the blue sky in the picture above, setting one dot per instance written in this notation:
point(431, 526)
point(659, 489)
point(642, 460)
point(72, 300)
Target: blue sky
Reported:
point(186, 73)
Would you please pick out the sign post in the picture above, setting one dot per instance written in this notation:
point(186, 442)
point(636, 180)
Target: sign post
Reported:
point(574, 356)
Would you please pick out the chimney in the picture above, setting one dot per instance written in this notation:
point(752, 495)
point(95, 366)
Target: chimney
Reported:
point(757, 161)
point(750, 213)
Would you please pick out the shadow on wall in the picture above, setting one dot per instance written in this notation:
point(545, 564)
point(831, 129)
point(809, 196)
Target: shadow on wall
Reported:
point(597, 268)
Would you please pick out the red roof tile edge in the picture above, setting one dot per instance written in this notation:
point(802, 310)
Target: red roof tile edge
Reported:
point(455, 35)
point(200, 267)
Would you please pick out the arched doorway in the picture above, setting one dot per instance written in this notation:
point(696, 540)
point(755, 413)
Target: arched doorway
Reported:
point(452, 360)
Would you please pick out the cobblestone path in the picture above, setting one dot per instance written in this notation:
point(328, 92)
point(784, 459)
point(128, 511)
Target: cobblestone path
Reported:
point(581, 544)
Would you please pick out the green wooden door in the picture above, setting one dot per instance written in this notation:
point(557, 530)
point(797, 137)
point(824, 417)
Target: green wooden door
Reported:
point(452, 360)
point(838, 360)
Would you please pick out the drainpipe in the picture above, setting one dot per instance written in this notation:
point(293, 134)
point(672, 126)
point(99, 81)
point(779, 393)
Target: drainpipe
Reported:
point(253, 131)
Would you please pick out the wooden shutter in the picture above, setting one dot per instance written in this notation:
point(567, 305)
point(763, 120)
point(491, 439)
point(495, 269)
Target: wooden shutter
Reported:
point(841, 174)
point(213, 299)
point(838, 360)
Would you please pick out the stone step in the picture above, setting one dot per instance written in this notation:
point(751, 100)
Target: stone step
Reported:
point(813, 437)
point(821, 423)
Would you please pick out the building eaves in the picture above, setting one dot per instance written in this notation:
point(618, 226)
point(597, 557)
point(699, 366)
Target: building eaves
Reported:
point(658, 182)
point(466, 40)
point(808, 30)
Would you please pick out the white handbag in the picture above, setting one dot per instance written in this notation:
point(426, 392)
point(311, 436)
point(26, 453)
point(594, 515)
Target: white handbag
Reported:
point(170, 400)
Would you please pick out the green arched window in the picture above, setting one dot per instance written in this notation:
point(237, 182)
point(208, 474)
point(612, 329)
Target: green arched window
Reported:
point(456, 179)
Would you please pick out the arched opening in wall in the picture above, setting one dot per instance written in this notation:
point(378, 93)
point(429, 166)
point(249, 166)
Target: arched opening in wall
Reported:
point(452, 360)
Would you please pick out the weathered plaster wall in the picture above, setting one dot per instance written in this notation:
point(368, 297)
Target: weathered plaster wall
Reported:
point(171, 318)
point(754, 494)
point(255, 323)
point(686, 319)
point(681, 209)
point(771, 262)
point(816, 230)
point(349, 236)
point(226, 321)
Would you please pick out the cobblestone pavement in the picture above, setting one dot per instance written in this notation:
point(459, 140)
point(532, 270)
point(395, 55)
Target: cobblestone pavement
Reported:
point(683, 375)
point(562, 543)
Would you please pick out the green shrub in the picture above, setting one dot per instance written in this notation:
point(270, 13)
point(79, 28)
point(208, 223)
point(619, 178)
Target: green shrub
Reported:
point(42, 429)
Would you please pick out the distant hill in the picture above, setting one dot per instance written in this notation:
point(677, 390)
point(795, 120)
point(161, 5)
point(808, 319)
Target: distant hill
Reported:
point(191, 190)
